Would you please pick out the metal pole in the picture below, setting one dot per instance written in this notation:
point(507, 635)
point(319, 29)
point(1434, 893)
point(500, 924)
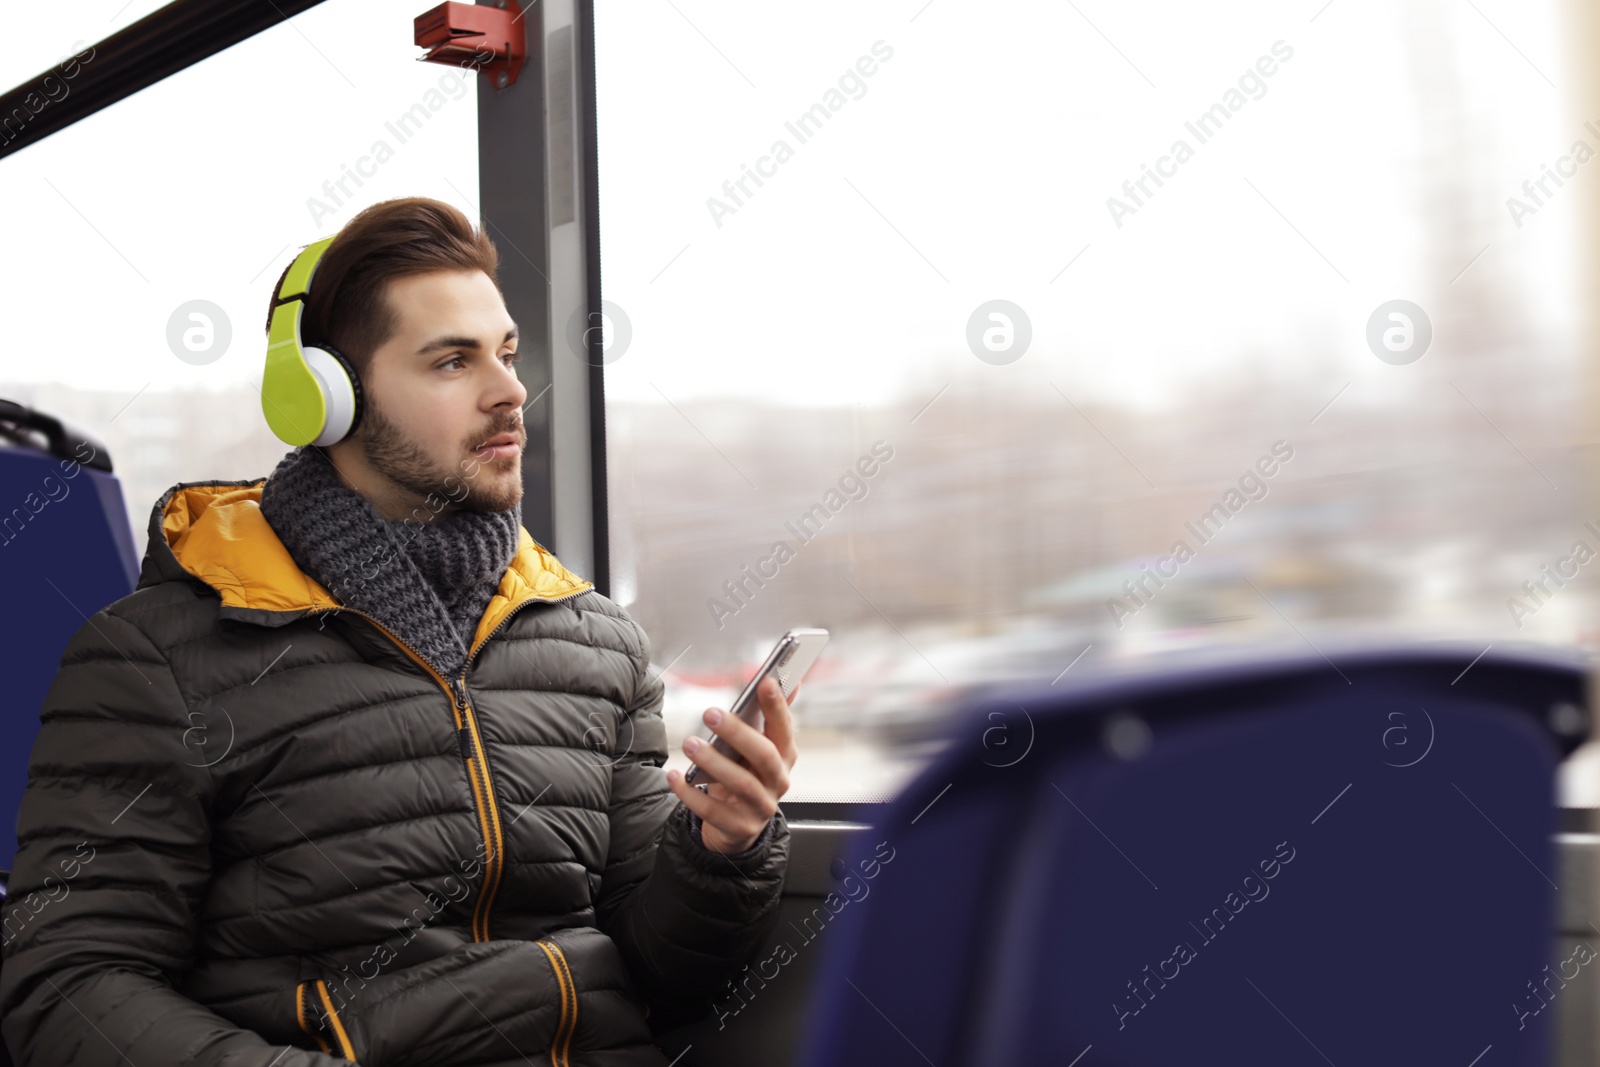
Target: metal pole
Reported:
point(537, 182)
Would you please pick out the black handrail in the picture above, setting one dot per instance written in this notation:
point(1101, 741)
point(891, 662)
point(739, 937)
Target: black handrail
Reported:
point(162, 43)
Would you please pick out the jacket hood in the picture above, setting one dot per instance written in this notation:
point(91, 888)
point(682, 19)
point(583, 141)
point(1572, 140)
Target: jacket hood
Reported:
point(214, 532)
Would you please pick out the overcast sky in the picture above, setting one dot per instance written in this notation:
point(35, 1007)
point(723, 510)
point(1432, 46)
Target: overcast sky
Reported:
point(974, 163)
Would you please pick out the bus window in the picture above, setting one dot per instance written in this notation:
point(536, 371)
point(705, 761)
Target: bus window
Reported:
point(1016, 344)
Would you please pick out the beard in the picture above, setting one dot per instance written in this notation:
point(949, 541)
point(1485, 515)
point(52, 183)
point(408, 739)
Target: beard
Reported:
point(395, 456)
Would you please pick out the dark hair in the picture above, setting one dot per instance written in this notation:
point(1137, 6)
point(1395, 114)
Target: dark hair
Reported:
point(346, 307)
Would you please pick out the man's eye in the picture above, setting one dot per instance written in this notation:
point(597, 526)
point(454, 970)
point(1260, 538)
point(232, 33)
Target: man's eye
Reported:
point(514, 357)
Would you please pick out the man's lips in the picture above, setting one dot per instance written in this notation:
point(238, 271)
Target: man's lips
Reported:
point(498, 446)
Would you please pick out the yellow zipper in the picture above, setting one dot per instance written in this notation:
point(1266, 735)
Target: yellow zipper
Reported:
point(338, 1027)
point(488, 812)
point(478, 762)
point(345, 1047)
point(495, 866)
point(477, 772)
point(561, 1044)
point(300, 1014)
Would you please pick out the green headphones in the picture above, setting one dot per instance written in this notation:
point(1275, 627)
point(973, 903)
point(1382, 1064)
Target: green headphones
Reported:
point(309, 395)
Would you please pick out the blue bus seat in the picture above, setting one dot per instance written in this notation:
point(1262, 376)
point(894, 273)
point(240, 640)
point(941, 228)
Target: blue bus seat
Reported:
point(66, 551)
point(1269, 860)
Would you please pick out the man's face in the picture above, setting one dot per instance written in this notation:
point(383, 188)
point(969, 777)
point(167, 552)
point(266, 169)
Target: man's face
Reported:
point(436, 391)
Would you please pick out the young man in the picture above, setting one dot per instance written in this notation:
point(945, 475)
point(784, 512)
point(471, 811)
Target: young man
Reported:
point(360, 771)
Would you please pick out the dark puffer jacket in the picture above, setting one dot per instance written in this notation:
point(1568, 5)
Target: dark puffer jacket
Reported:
point(257, 826)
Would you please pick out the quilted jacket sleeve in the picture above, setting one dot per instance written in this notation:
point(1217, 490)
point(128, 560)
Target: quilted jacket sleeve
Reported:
point(112, 864)
point(686, 919)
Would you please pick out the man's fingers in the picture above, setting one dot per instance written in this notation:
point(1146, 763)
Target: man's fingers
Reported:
point(729, 774)
point(777, 718)
point(733, 822)
point(756, 748)
point(693, 798)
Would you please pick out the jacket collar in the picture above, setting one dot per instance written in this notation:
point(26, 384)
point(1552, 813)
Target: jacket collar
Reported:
point(215, 532)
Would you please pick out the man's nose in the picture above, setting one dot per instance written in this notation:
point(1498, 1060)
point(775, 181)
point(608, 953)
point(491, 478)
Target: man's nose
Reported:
point(509, 388)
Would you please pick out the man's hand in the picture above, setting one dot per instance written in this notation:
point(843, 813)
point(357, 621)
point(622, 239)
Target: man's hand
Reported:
point(736, 807)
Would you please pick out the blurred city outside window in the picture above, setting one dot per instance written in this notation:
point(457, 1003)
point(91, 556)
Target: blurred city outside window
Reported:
point(1106, 298)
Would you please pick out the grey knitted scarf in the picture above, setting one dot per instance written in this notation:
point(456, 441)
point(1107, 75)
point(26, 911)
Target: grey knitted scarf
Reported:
point(429, 582)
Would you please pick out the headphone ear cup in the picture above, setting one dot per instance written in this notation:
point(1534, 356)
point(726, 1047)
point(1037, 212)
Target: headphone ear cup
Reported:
point(360, 402)
point(341, 392)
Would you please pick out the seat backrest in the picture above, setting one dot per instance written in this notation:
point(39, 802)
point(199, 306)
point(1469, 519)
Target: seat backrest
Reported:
point(1282, 861)
point(66, 551)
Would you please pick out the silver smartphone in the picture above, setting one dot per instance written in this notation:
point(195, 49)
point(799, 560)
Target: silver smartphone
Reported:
point(789, 661)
